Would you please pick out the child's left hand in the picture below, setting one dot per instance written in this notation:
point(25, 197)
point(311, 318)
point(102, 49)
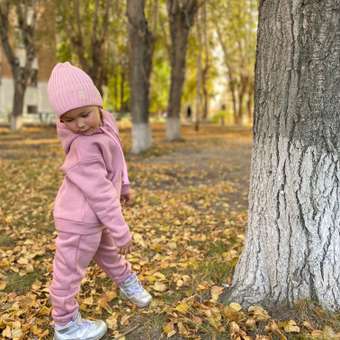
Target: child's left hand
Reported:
point(127, 198)
point(126, 249)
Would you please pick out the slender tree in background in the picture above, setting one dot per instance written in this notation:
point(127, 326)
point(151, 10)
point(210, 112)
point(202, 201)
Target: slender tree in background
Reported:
point(181, 18)
point(237, 37)
point(202, 65)
point(292, 247)
point(159, 80)
point(84, 27)
point(18, 22)
point(206, 63)
point(117, 63)
point(202, 41)
point(140, 49)
point(199, 70)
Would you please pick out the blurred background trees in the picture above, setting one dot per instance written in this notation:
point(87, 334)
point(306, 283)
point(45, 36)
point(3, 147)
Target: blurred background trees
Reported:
point(18, 25)
point(175, 61)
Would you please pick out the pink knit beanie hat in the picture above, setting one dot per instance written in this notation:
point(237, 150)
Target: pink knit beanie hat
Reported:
point(69, 88)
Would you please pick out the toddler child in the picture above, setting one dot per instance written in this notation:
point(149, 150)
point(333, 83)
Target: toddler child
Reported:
point(87, 210)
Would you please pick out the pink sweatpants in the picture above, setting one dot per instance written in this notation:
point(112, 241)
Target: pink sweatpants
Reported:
point(73, 254)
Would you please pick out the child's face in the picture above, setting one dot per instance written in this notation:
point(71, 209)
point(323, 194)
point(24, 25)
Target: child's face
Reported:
point(84, 120)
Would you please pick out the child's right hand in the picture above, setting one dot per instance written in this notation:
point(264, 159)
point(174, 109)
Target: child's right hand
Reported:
point(127, 198)
point(126, 249)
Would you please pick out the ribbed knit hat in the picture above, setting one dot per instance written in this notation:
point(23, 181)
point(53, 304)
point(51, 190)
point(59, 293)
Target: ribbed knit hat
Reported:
point(69, 88)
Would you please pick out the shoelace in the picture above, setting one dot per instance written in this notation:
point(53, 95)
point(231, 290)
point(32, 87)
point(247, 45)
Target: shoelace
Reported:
point(133, 287)
point(82, 323)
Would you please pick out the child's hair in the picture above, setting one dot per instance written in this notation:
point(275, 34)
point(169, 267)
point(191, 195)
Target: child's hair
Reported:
point(69, 88)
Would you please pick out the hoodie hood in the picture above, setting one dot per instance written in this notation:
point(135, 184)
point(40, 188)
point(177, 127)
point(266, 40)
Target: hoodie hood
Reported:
point(67, 137)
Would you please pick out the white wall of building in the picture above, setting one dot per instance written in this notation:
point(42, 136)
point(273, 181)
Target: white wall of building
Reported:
point(36, 96)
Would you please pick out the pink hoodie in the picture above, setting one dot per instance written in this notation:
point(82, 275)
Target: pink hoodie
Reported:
point(95, 175)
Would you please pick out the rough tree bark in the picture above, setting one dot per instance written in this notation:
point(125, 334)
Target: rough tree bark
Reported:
point(181, 17)
point(26, 16)
point(292, 248)
point(141, 45)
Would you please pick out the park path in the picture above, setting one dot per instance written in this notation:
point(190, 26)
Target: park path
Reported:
point(206, 175)
point(200, 161)
point(208, 161)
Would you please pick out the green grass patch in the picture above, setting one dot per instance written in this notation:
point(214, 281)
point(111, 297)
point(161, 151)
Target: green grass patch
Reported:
point(6, 241)
point(21, 284)
point(214, 270)
point(217, 248)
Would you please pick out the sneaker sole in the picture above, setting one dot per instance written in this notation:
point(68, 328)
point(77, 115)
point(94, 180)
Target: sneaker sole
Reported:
point(122, 294)
point(95, 338)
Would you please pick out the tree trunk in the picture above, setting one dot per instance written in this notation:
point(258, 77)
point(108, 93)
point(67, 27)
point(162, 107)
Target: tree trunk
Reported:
point(88, 35)
point(140, 40)
point(26, 15)
point(241, 95)
point(250, 102)
point(232, 88)
point(181, 17)
point(205, 73)
point(115, 80)
point(292, 247)
point(122, 91)
point(18, 104)
point(199, 75)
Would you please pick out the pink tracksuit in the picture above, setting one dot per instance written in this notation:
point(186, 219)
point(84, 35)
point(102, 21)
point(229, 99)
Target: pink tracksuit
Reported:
point(87, 213)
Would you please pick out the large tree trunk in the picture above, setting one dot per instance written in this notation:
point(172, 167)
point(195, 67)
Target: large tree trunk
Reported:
point(292, 248)
point(140, 40)
point(181, 17)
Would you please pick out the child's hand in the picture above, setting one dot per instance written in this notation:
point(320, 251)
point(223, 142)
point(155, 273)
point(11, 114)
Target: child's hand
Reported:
point(126, 249)
point(127, 198)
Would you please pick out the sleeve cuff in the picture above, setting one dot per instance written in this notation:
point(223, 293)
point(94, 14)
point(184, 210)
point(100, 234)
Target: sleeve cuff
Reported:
point(122, 241)
point(125, 189)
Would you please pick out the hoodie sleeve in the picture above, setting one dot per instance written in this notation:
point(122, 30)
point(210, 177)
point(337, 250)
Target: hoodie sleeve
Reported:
point(90, 176)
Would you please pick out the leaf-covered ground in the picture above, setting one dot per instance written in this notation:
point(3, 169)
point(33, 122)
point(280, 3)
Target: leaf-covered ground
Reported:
point(188, 222)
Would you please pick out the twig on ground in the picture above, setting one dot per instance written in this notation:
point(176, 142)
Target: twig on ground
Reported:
point(127, 332)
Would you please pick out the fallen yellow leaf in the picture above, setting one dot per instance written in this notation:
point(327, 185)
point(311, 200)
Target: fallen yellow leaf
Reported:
point(182, 307)
point(111, 321)
point(291, 327)
point(235, 306)
point(169, 329)
point(259, 313)
point(216, 291)
point(160, 287)
point(3, 285)
point(7, 332)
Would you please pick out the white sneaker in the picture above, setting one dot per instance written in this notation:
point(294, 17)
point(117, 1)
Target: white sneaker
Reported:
point(80, 329)
point(133, 290)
